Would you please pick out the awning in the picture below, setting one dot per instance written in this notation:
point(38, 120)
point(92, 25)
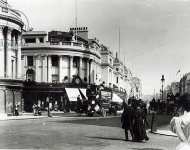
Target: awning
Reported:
point(116, 98)
point(72, 94)
point(83, 93)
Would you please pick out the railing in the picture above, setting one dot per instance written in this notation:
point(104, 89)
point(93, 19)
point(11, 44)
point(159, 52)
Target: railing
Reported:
point(72, 45)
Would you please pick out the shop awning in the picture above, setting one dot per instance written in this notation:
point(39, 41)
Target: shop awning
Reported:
point(116, 98)
point(83, 93)
point(72, 94)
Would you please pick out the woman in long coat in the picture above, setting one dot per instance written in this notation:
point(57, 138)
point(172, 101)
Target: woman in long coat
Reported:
point(139, 129)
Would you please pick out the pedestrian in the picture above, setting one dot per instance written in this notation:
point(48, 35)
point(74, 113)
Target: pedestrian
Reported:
point(145, 122)
point(34, 109)
point(16, 110)
point(181, 124)
point(139, 129)
point(126, 120)
point(79, 104)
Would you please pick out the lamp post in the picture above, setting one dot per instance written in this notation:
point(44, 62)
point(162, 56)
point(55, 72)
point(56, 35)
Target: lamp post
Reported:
point(162, 80)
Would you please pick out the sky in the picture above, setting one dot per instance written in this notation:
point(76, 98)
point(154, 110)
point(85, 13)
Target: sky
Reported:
point(154, 34)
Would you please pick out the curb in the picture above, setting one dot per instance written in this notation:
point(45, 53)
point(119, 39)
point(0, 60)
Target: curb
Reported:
point(163, 132)
point(21, 118)
point(25, 117)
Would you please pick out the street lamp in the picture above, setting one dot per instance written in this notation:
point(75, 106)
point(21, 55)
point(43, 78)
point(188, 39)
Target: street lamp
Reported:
point(162, 80)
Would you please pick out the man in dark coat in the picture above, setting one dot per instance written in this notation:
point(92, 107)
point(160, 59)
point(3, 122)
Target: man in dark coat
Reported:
point(127, 119)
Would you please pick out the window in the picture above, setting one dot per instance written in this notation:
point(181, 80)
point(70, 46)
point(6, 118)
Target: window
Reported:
point(110, 61)
point(30, 60)
point(75, 62)
point(117, 80)
point(30, 40)
point(55, 78)
point(5, 9)
point(117, 69)
point(41, 40)
point(54, 60)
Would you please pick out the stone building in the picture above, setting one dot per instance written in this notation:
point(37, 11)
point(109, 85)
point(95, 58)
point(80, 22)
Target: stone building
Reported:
point(56, 57)
point(11, 26)
point(55, 61)
point(184, 84)
point(60, 63)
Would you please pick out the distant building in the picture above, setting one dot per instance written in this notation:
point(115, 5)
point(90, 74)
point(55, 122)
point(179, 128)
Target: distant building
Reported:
point(107, 66)
point(185, 84)
point(10, 59)
point(175, 89)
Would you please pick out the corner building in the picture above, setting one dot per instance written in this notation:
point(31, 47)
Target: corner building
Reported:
point(10, 59)
point(56, 60)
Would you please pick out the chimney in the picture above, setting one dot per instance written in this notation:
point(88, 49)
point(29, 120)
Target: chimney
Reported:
point(81, 31)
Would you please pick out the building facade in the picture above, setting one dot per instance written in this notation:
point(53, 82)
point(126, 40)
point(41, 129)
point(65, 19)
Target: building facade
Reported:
point(57, 57)
point(184, 84)
point(57, 60)
point(11, 26)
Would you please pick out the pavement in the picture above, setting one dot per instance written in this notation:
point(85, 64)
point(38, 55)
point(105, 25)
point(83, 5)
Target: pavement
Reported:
point(165, 132)
point(97, 133)
point(161, 131)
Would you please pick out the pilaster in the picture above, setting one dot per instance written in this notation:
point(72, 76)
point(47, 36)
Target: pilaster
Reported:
point(80, 68)
point(70, 68)
point(87, 71)
point(60, 69)
point(9, 59)
point(19, 71)
point(2, 54)
point(49, 72)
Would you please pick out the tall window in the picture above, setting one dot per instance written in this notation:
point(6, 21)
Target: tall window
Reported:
point(30, 60)
point(55, 61)
point(117, 79)
point(41, 40)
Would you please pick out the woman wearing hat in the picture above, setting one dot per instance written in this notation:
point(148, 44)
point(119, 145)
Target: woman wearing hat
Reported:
point(181, 125)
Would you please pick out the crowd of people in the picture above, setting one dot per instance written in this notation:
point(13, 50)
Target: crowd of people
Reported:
point(133, 120)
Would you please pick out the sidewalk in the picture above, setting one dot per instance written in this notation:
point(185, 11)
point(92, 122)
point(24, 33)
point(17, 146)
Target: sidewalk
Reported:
point(20, 117)
point(164, 130)
point(31, 116)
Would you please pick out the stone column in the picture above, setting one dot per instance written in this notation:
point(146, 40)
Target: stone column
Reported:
point(87, 71)
point(80, 68)
point(70, 68)
point(49, 72)
point(90, 70)
point(2, 54)
point(37, 72)
point(42, 68)
point(9, 51)
point(19, 69)
point(45, 75)
point(60, 68)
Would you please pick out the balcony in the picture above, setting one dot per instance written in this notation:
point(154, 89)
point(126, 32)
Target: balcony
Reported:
point(62, 45)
